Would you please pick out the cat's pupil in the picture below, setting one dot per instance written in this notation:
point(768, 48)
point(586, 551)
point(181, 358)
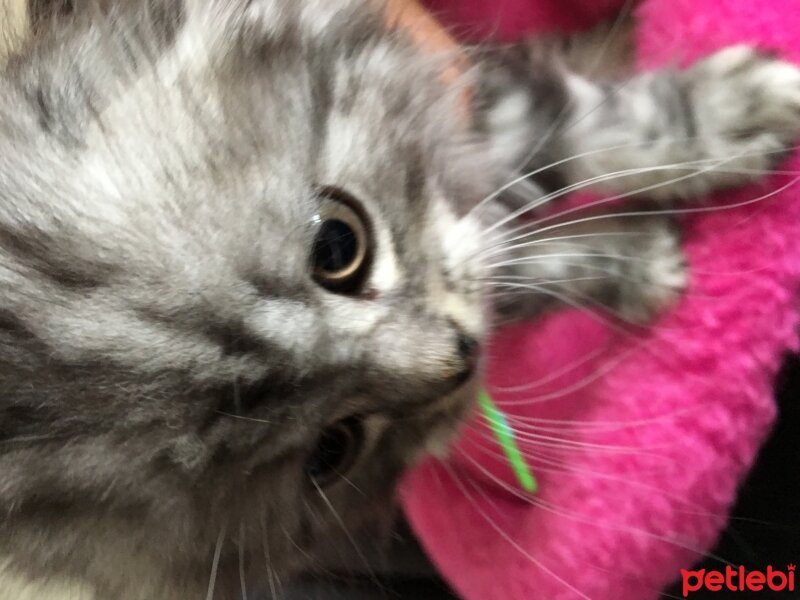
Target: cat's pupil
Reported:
point(336, 247)
point(340, 252)
point(336, 451)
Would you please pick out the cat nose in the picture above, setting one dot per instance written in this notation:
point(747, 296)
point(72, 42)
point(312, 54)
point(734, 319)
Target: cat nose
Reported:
point(467, 347)
point(468, 351)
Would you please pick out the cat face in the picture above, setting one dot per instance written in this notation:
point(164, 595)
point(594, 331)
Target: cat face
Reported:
point(239, 283)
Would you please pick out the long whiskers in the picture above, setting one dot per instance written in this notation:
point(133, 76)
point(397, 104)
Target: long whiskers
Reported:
point(242, 578)
point(577, 517)
point(563, 443)
point(361, 556)
point(707, 165)
point(504, 534)
point(590, 306)
point(215, 564)
point(272, 578)
point(538, 171)
point(555, 374)
point(639, 213)
point(507, 245)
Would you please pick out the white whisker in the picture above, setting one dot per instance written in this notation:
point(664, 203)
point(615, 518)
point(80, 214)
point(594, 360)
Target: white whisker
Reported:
point(508, 245)
point(592, 308)
point(646, 213)
point(505, 535)
point(243, 418)
point(215, 564)
point(604, 524)
point(242, 579)
point(553, 375)
point(273, 581)
point(370, 571)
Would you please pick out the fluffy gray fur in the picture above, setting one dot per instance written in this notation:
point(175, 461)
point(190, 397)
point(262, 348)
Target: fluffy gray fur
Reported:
point(167, 361)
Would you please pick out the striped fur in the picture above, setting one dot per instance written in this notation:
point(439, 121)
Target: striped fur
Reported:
point(167, 362)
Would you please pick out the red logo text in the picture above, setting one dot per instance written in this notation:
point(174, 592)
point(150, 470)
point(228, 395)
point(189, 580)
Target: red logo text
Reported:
point(738, 580)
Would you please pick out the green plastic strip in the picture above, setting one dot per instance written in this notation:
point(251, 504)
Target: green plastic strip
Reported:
point(505, 437)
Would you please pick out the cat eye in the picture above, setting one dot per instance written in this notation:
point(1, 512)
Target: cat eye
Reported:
point(336, 451)
point(340, 255)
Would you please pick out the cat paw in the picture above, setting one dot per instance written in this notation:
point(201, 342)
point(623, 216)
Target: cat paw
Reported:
point(657, 276)
point(747, 105)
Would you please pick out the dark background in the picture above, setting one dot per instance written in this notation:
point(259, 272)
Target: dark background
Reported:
point(764, 529)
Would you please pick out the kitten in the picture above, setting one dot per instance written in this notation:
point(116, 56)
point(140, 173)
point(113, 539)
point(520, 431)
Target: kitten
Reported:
point(245, 266)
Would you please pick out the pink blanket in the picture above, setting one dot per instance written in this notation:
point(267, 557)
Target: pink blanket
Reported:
point(638, 442)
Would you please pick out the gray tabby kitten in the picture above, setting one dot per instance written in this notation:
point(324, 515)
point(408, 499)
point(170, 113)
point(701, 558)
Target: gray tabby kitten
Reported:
point(245, 266)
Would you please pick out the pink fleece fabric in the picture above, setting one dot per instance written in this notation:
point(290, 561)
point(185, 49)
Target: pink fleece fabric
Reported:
point(639, 442)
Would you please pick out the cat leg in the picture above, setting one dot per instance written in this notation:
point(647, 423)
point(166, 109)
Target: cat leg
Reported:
point(632, 266)
point(662, 135)
point(723, 122)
